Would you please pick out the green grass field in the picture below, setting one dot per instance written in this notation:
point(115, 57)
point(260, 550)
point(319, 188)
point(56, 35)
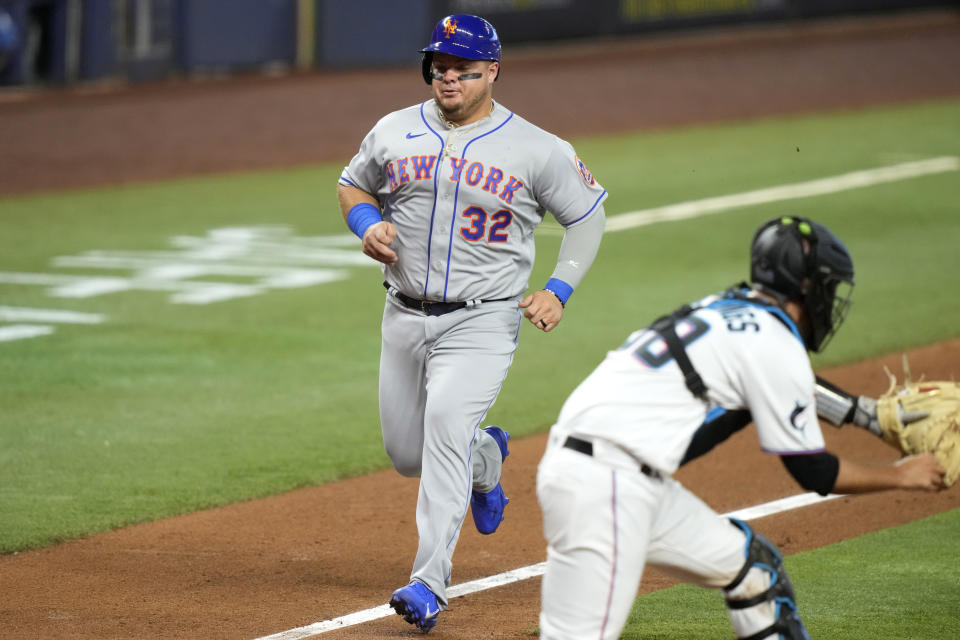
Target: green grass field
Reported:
point(847, 591)
point(165, 408)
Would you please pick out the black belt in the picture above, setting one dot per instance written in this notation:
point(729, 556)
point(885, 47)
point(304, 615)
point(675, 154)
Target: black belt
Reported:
point(586, 448)
point(433, 308)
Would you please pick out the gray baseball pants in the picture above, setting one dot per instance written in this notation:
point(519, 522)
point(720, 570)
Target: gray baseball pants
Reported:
point(439, 375)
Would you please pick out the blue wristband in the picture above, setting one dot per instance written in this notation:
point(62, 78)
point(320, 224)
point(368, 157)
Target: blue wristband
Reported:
point(361, 216)
point(559, 288)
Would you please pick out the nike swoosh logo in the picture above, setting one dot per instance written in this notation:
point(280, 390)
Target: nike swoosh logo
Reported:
point(427, 615)
point(411, 136)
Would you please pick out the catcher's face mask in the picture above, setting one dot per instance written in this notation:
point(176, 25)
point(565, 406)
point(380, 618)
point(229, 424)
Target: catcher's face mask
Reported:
point(804, 261)
point(827, 303)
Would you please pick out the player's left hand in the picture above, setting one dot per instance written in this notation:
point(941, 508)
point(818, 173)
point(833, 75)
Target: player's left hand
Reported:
point(542, 309)
point(937, 434)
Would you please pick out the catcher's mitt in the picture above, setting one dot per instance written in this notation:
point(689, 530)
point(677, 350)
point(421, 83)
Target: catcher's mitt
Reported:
point(938, 433)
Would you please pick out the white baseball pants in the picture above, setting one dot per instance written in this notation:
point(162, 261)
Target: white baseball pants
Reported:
point(604, 521)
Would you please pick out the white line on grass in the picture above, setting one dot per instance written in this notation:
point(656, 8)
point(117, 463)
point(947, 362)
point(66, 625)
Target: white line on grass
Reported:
point(26, 314)
point(823, 186)
point(23, 331)
point(523, 573)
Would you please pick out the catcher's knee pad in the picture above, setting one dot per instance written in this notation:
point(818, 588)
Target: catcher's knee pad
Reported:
point(760, 599)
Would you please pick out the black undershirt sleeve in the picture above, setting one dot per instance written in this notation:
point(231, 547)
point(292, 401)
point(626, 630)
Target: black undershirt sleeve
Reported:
point(814, 472)
point(712, 433)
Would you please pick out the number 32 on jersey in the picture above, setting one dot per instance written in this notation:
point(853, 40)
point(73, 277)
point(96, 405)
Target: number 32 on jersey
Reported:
point(480, 226)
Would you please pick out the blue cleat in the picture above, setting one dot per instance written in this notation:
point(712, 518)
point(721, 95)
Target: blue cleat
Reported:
point(417, 604)
point(487, 508)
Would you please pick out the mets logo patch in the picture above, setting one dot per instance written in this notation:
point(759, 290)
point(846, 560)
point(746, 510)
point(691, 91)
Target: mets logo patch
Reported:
point(450, 28)
point(584, 172)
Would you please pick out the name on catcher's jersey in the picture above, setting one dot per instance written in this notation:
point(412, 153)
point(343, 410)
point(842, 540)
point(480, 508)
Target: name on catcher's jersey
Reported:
point(748, 358)
point(466, 200)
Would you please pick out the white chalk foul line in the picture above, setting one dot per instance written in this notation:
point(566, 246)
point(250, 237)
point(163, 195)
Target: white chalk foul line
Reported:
point(823, 186)
point(778, 506)
point(523, 573)
point(834, 184)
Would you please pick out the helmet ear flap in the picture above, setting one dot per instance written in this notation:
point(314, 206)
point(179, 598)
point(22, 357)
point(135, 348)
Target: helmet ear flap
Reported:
point(425, 61)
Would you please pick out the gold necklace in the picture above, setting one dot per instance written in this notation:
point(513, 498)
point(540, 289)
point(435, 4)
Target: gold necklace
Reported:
point(453, 125)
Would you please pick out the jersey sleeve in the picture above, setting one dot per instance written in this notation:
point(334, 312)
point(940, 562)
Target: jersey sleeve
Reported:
point(566, 187)
point(779, 387)
point(364, 171)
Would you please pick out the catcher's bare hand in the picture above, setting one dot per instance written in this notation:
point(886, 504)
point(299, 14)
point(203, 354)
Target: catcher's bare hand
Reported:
point(921, 472)
point(542, 309)
point(376, 242)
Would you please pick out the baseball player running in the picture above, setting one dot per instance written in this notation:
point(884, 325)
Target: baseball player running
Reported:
point(609, 504)
point(447, 194)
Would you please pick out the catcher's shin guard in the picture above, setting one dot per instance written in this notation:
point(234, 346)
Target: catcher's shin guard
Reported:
point(760, 600)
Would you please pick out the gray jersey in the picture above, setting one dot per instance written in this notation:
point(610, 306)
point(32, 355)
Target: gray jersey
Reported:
point(466, 200)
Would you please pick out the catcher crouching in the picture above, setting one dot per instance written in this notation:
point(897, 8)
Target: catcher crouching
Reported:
point(671, 393)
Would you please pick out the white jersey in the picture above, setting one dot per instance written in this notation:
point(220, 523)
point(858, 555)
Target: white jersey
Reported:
point(466, 200)
point(749, 355)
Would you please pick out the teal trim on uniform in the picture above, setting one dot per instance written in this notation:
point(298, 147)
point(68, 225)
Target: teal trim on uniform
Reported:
point(777, 312)
point(783, 317)
point(714, 413)
point(361, 217)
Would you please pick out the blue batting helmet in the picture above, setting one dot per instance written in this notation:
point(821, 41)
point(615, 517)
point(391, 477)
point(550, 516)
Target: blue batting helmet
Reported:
point(464, 36)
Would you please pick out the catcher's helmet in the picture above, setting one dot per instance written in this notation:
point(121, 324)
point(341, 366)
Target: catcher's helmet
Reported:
point(794, 258)
point(464, 36)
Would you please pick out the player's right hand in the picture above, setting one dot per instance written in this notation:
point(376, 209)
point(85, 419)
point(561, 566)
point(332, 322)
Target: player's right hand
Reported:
point(376, 242)
point(921, 472)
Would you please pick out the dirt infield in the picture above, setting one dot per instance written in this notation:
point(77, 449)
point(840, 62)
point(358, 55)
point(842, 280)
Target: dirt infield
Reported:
point(263, 566)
